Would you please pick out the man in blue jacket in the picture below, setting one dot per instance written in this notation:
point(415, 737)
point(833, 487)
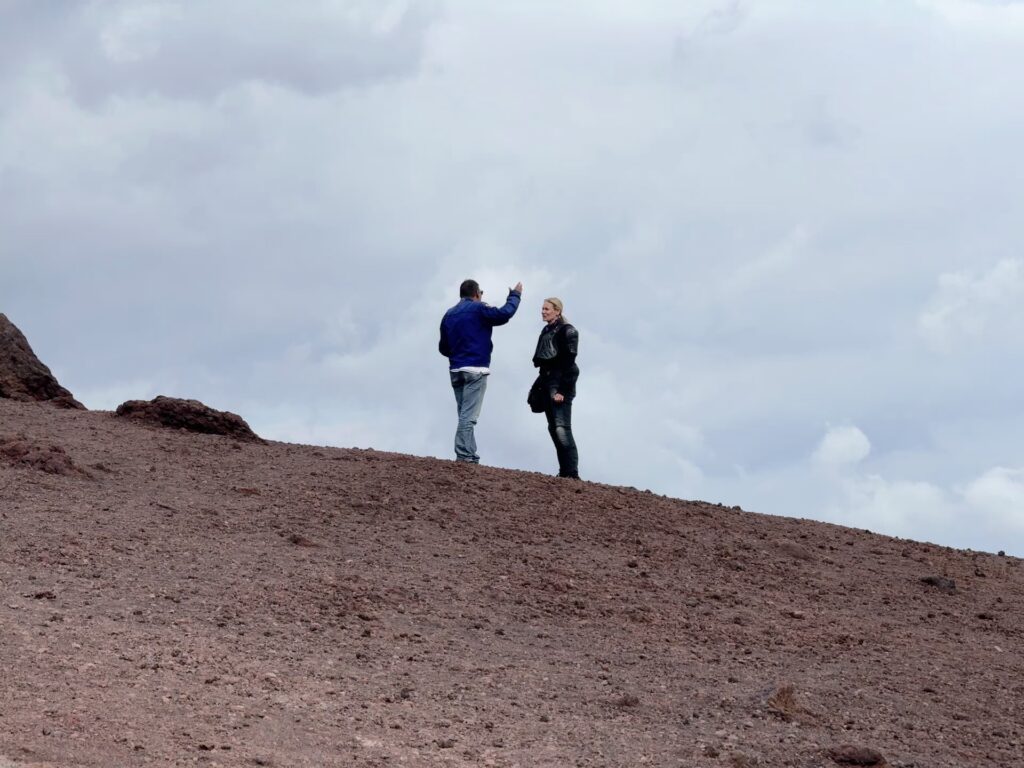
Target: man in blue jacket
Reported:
point(466, 342)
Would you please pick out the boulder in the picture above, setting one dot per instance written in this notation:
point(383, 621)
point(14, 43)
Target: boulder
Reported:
point(22, 376)
point(848, 754)
point(190, 415)
point(21, 452)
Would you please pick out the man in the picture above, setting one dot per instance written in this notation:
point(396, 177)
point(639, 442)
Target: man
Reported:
point(466, 342)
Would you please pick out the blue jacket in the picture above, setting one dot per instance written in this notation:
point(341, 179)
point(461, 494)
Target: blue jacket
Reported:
point(466, 331)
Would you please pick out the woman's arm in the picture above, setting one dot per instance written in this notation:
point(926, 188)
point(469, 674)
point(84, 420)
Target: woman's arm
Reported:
point(567, 343)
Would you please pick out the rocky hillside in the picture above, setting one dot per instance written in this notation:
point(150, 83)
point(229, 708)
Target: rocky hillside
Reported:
point(171, 598)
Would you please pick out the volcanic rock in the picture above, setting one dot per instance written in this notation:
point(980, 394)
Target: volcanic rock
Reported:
point(190, 415)
point(52, 459)
point(23, 376)
point(942, 583)
point(848, 754)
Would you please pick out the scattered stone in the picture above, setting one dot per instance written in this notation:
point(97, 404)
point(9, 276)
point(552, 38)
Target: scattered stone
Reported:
point(301, 541)
point(848, 754)
point(190, 415)
point(627, 700)
point(23, 376)
point(941, 583)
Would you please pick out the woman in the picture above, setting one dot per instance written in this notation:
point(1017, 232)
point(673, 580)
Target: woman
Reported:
point(556, 358)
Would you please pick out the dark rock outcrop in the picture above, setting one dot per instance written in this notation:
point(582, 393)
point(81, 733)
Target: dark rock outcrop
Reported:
point(190, 415)
point(52, 459)
point(848, 754)
point(941, 583)
point(23, 376)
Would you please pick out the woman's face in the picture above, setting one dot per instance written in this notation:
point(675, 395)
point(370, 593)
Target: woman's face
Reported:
point(548, 312)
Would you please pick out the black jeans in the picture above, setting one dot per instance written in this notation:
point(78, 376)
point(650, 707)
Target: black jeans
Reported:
point(559, 417)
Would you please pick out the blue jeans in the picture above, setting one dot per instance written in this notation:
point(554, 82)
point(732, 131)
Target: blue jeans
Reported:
point(469, 399)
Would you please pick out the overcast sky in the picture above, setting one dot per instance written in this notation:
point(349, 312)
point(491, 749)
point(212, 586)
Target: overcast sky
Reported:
point(789, 232)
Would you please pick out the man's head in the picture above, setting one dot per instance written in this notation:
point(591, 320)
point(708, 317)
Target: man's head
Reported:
point(470, 289)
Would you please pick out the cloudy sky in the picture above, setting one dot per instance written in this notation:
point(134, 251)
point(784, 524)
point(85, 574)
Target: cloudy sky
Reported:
point(789, 231)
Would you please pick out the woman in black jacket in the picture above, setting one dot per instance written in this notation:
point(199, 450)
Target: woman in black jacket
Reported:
point(556, 358)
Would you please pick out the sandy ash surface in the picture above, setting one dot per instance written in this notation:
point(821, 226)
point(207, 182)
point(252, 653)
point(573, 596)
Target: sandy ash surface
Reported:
point(180, 599)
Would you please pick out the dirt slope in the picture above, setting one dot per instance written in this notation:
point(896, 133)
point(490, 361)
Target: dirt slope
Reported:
point(179, 599)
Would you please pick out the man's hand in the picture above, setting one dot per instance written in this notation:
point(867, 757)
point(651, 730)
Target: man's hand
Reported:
point(558, 398)
point(518, 288)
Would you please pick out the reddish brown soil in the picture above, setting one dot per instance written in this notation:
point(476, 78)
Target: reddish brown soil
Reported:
point(196, 600)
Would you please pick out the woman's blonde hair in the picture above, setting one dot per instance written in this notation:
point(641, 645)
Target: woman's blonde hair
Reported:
point(556, 302)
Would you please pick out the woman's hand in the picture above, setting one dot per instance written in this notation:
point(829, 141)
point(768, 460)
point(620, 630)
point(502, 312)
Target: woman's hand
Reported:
point(558, 398)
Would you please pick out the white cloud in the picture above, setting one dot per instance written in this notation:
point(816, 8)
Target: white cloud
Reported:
point(999, 18)
point(197, 51)
point(133, 34)
point(986, 513)
point(897, 508)
point(968, 305)
point(778, 265)
point(999, 496)
point(842, 447)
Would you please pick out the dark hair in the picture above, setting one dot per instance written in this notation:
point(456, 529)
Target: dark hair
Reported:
point(469, 289)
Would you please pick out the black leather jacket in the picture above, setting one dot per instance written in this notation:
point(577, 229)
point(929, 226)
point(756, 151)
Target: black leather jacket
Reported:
point(556, 358)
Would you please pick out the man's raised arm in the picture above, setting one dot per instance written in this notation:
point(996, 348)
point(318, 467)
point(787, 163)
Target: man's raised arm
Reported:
point(501, 315)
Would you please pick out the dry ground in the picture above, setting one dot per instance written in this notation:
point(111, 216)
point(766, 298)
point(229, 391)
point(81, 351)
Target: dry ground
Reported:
point(177, 599)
